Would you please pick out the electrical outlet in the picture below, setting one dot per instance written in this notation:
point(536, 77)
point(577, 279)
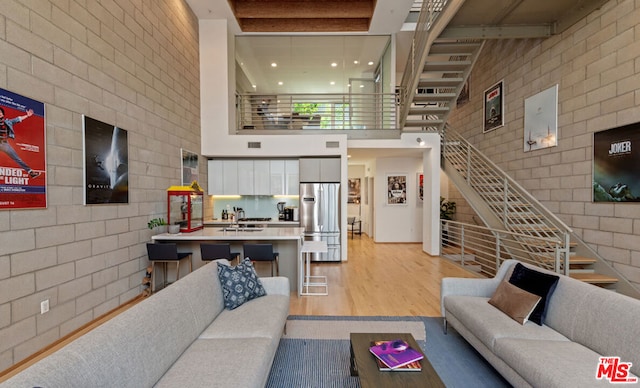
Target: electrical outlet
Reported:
point(44, 306)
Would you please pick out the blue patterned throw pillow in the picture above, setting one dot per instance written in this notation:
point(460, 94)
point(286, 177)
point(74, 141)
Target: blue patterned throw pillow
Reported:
point(239, 284)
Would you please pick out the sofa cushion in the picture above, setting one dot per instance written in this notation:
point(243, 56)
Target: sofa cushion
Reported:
point(607, 322)
point(515, 302)
point(555, 364)
point(239, 284)
point(263, 317)
point(539, 283)
point(239, 362)
point(488, 323)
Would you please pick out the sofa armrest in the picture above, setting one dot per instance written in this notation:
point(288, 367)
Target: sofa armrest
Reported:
point(473, 286)
point(277, 285)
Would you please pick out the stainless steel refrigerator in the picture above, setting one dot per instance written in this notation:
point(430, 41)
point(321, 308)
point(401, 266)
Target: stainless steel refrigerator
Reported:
point(320, 217)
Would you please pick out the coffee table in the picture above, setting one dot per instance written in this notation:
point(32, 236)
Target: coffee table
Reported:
point(363, 364)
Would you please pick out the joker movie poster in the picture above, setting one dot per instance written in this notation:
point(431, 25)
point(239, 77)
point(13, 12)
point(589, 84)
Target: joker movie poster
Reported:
point(616, 161)
point(106, 163)
point(23, 163)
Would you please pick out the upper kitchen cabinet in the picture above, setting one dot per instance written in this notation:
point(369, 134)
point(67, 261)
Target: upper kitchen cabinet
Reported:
point(320, 170)
point(252, 177)
point(284, 177)
point(223, 177)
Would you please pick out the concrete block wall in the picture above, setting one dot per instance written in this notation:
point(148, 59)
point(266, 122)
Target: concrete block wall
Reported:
point(596, 64)
point(133, 64)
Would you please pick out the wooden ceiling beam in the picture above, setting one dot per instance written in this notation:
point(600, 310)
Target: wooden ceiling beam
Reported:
point(313, 9)
point(304, 25)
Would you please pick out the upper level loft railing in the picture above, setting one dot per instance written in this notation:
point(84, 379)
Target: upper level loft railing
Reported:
point(362, 111)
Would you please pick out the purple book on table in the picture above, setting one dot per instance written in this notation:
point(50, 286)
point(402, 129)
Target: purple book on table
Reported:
point(396, 353)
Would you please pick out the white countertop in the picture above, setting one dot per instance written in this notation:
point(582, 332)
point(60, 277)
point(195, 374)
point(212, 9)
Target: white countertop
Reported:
point(213, 234)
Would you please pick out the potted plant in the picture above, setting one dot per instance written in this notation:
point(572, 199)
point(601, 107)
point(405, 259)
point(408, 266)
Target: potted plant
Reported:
point(447, 211)
point(158, 223)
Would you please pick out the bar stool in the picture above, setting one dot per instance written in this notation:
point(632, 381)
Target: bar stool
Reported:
point(165, 253)
point(209, 252)
point(262, 252)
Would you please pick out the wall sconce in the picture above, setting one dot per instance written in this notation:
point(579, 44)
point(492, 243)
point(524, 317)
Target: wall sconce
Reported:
point(420, 141)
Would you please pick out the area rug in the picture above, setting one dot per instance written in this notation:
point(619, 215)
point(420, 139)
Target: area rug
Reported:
point(314, 352)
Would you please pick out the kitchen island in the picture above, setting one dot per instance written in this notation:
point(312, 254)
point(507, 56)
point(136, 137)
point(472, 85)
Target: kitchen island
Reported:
point(286, 241)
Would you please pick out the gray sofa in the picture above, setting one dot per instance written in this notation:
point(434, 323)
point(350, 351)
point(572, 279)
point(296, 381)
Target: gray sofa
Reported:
point(583, 323)
point(179, 337)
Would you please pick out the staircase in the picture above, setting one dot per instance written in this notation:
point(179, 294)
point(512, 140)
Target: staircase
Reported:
point(444, 74)
point(436, 72)
point(436, 69)
point(502, 203)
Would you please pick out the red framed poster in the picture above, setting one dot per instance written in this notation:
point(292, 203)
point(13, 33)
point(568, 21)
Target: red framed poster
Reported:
point(23, 162)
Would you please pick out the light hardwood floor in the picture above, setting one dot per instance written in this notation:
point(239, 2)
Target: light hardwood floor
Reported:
point(380, 279)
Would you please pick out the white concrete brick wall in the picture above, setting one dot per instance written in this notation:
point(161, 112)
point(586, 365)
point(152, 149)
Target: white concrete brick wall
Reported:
point(596, 64)
point(133, 64)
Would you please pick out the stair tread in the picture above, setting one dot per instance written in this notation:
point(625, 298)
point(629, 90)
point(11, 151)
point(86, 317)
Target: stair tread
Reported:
point(581, 260)
point(593, 278)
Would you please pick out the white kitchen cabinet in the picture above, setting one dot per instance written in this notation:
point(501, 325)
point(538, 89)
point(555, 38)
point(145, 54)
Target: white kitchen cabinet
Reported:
point(284, 177)
point(277, 177)
point(292, 181)
point(320, 170)
point(223, 177)
point(245, 177)
point(261, 177)
point(253, 177)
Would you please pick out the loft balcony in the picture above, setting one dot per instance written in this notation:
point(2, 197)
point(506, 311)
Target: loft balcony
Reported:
point(362, 115)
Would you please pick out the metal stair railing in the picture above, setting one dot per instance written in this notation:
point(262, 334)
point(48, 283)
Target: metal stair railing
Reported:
point(518, 211)
point(483, 249)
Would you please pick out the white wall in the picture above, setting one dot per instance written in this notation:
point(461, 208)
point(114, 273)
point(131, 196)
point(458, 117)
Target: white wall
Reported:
point(402, 223)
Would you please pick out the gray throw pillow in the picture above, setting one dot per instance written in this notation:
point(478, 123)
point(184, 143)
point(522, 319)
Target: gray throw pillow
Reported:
point(239, 284)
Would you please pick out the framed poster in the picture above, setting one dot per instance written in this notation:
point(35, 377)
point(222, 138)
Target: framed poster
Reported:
point(541, 120)
point(354, 191)
point(420, 186)
point(189, 167)
point(396, 189)
point(493, 107)
point(616, 157)
point(106, 163)
point(23, 162)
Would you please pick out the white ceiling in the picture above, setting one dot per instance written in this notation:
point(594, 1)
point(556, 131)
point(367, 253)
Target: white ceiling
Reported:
point(304, 63)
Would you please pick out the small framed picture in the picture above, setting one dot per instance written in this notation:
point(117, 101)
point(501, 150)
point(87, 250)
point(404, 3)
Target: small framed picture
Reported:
point(493, 107)
point(396, 189)
point(354, 191)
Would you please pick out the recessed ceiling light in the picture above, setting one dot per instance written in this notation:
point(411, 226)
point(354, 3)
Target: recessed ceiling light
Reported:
point(280, 83)
point(254, 86)
point(332, 83)
point(370, 63)
point(362, 86)
point(356, 62)
point(333, 64)
point(274, 64)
